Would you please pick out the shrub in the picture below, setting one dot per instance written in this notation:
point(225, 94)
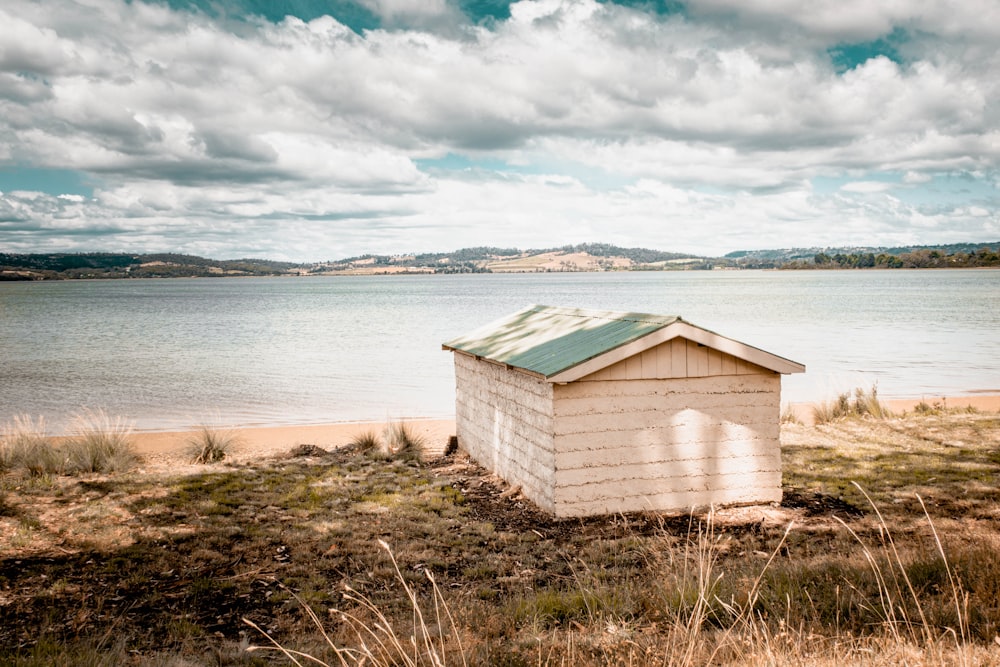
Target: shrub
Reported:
point(211, 445)
point(863, 403)
point(788, 415)
point(828, 411)
point(868, 403)
point(99, 443)
point(402, 442)
point(24, 444)
point(366, 442)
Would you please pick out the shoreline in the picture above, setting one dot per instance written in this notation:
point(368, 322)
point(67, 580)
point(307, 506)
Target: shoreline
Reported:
point(257, 441)
point(169, 447)
point(986, 402)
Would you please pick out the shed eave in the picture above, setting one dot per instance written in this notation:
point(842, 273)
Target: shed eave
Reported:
point(502, 364)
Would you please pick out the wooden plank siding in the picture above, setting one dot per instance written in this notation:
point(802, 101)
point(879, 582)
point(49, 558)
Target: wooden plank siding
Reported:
point(667, 444)
point(503, 419)
point(725, 491)
point(674, 426)
point(677, 358)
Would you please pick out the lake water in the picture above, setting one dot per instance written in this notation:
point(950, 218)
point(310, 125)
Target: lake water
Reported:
point(175, 353)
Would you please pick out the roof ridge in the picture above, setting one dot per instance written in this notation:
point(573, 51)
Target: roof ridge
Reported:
point(601, 314)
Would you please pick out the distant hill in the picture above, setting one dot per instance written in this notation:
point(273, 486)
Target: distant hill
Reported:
point(582, 257)
point(61, 266)
point(488, 259)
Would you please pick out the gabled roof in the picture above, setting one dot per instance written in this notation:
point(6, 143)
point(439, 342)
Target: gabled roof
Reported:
point(565, 344)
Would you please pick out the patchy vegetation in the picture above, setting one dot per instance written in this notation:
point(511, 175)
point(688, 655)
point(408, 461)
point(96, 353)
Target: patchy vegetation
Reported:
point(163, 568)
point(99, 444)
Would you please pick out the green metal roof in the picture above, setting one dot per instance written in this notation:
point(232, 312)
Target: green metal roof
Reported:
point(547, 340)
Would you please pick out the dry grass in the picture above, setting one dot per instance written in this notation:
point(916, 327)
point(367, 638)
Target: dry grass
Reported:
point(402, 442)
point(24, 444)
point(169, 566)
point(211, 444)
point(788, 415)
point(366, 442)
point(862, 403)
point(100, 443)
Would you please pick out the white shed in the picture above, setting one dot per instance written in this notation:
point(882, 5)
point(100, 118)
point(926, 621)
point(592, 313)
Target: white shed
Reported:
point(594, 412)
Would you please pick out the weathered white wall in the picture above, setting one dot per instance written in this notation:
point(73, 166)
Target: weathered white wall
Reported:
point(630, 445)
point(676, 426)
point(503, 419)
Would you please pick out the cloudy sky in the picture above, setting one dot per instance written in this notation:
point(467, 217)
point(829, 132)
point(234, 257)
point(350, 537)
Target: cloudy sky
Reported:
point(321, 129)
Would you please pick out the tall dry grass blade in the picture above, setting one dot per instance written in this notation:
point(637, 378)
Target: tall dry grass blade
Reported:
point(700, 558)
point(278, 648)
point(886, 536)
point(418, 613)
point(961, 608)
point(439, 597)
point(745, 615)
point(888, 610)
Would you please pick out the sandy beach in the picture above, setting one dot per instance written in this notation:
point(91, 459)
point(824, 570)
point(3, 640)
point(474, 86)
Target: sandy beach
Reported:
point(982, 402)
point(171, 447)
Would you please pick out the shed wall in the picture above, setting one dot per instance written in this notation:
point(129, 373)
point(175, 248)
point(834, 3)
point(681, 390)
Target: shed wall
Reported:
point(677, 358)
point(666, 444)
point(503, 419)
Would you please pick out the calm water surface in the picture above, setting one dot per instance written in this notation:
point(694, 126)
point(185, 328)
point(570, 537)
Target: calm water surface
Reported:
point(173, 353)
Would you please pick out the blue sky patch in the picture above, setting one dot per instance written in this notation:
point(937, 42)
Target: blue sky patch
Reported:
point(359, 18)
point(846, 57)
point(951, 189)
point(51, 181)
point(593, 177)
point(657, 7)
point(351, 13)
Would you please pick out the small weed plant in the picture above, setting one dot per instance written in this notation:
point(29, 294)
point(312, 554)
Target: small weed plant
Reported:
point(211, 445)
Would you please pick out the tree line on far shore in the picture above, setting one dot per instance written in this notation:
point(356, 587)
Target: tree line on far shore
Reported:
point(918, 259)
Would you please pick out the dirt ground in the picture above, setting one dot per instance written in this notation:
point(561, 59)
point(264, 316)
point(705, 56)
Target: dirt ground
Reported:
point(173, 557)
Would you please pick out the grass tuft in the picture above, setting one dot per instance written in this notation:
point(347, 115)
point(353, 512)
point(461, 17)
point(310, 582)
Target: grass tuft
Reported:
point(366, 442)
point(788, 415)
point(100, 443)
point(863, 403)
point(867, 403)
point(211, 445)
point(402, 442)
point(24, 444)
